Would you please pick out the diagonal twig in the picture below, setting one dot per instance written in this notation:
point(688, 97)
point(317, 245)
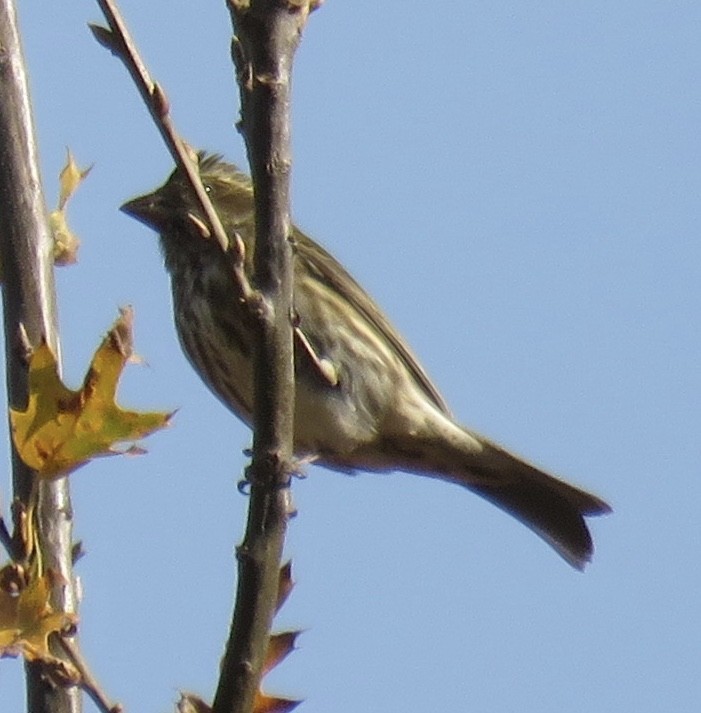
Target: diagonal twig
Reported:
point(118, 40)
point(87, 681)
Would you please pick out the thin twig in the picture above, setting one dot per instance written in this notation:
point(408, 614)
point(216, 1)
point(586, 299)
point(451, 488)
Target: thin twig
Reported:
point(88, 682)
point(119, 41)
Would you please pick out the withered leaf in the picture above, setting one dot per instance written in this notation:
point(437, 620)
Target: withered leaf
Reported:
point(63, 429)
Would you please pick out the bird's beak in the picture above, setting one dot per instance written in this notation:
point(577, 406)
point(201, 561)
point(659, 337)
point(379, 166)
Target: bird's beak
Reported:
point(147, 209)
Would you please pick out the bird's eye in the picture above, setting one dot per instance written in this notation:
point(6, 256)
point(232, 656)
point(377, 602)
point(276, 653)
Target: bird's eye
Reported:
point(207, 188)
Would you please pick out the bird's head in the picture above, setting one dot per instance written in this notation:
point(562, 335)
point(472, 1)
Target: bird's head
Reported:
point(172, 210)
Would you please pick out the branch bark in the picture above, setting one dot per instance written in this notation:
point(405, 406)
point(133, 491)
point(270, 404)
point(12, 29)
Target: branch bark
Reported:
point(26, 255)
point(267, 33)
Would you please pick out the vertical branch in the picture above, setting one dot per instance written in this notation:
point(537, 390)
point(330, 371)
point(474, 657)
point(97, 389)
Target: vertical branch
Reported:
point(26, 255)
point(267, 34)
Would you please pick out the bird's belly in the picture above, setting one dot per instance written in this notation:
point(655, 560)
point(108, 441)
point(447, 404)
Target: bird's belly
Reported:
point(328, 424)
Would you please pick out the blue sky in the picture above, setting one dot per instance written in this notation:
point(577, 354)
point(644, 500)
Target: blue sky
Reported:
point(518, 185)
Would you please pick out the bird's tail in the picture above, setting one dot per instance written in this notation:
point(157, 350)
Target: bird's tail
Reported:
point(553, 509)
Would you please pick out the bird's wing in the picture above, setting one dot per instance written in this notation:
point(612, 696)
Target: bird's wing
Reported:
point(329, 270)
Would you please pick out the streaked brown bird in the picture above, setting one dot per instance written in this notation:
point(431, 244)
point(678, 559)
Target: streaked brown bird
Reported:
point(363, 401)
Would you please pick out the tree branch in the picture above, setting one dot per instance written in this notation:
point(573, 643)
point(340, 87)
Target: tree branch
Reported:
point(118, 40)
point(267, 34)
point(26, 254)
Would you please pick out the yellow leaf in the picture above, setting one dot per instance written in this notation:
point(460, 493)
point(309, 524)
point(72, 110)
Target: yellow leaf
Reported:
point(9, 633)
point(27, 620)
point(37, 619)
point(66, 243)
point(63, 429)
point(70, 178)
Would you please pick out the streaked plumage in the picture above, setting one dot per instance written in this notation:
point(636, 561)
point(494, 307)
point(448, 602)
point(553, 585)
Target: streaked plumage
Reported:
point(363, 401)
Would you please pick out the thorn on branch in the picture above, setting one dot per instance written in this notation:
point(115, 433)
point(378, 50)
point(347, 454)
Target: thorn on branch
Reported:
point(77, 551)
point(244, 68)
point(200, 225)
point(254, 300)
point(107, 39)
point(285, 585)
point(161, 105)
point(23, 346)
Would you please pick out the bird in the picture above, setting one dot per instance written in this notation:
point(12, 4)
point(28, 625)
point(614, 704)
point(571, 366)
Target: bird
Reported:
point(363, 402)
